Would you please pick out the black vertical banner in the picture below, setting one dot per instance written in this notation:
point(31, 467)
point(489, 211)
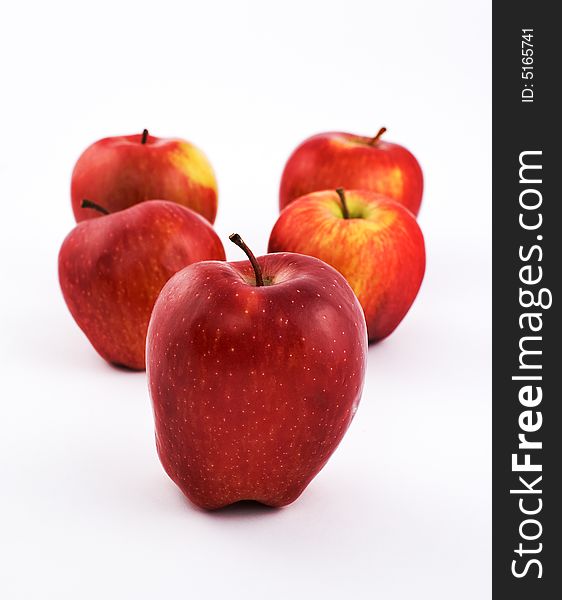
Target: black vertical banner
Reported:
point(527, 332)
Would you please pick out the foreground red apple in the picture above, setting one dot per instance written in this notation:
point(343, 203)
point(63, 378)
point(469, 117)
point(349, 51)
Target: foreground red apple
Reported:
point(255, 371)
point(119, 172)
point(331, 160)
point(112, 269)
point(374, 242)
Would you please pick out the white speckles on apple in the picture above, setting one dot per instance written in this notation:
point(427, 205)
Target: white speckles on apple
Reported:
point(262, 438)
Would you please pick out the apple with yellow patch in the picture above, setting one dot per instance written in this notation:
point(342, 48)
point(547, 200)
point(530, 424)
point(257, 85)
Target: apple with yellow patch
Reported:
point(374, 242)
point(119, 172)
point(331, 160)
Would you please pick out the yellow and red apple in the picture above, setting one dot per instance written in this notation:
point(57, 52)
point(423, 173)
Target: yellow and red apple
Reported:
point(332, 160)
point(111, 270)
point(374, 242)
point(119, 172)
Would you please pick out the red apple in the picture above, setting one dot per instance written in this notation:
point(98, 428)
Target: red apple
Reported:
point(331, 160)
point(119, 172)
point(374, 242)
point(112, 269)
point(255, 371)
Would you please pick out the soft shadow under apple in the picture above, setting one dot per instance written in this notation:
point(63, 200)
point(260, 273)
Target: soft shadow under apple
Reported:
point(244, 509)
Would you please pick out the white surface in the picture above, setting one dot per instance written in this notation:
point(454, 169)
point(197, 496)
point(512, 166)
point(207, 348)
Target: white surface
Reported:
point(403, 509)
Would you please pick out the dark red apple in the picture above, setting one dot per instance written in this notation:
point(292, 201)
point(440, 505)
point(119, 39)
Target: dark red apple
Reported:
point(255, 371)
point(331, 160)
point(119, 172)
point(374, 242)
point(112, 269)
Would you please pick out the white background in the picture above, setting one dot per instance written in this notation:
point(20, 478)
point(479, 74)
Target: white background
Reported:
point(403, 509)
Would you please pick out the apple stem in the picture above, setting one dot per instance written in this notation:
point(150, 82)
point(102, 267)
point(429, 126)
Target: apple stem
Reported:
point(242, 244)
point(376, 138)
point(144, 136)
point(90, 204)
point(344, 208)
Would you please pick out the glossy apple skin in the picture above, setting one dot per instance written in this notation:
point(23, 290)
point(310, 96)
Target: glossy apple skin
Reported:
point(112, 269)
point(381, 254)
point(332, 160)
point(253, 387)
point(119, 172)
